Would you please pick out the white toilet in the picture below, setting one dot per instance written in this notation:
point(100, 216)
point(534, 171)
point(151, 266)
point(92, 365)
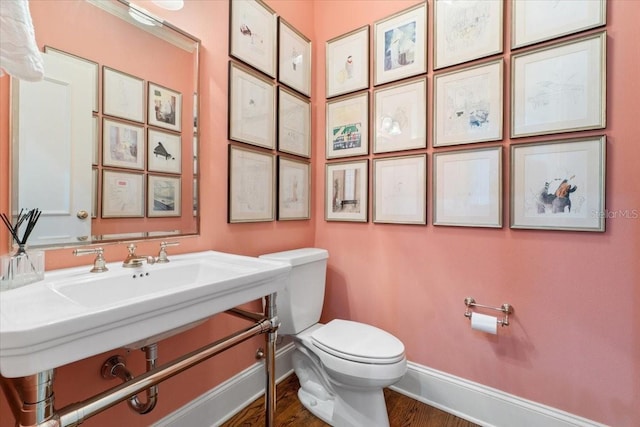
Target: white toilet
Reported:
point(343, 365)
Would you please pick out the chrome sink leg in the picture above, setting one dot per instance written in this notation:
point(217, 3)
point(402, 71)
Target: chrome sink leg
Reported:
point(31, 398)
point(270, 313)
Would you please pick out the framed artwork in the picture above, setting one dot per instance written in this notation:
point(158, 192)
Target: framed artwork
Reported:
point(537, 21)
point(467, 188)
point(122, 95)
point(94, 193)
point(400, 45)
point(468, 105)
point(559, 88)
point(400, 114)
point(466, 30)
point(122, 144)
point(559, 185)
point(348, 126)
point(251, 185)
point(400, 190)
point(122, 194)
point(347, 191)
point(294, 184)
point(164, 151)
point(294, 58)
point(164, 108)
point(347, 62)
point(164, 196)
point(92, 66)
point(95, 140)
point(294, 123)
point(252, 114)
point(253, 39)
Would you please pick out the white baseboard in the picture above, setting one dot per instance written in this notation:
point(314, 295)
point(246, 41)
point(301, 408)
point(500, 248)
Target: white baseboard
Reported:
point(481, 404)
point(465, 399)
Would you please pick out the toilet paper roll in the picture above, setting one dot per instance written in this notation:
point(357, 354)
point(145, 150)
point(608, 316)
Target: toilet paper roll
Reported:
point(484, 323)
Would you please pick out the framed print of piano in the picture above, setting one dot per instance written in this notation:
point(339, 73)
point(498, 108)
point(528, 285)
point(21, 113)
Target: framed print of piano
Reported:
point(164, 152)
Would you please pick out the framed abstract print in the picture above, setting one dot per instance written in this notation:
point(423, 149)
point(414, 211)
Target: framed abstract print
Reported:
point(400, 45)
point(294, 55)
point(559, 185)
point(465, 30)
point(467, 188)
point(253, 32)
point(347, 191)
point(559, 88)
point(468, 105)
point(347, 126)
point(347, 62)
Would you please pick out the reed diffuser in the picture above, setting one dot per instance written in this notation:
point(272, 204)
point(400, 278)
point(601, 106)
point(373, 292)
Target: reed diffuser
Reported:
point(24, 266)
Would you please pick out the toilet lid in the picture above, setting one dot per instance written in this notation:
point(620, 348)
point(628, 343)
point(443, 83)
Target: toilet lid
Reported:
point(358, 342)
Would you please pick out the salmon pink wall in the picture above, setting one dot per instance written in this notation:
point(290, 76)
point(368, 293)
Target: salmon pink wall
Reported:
point(574, 342)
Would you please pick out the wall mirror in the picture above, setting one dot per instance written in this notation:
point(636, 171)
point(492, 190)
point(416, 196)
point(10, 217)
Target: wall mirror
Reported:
point(106, 145)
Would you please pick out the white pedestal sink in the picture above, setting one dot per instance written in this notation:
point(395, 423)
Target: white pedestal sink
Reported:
point(74, 314)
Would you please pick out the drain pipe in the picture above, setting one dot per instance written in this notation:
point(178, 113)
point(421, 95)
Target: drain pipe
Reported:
point(115, 367)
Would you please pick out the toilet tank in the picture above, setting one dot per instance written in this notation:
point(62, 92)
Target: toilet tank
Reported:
point(300, 304)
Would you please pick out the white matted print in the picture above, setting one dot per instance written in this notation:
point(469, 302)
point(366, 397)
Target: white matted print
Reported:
point(400, 190)
point(347, 191)
point(253, 34)
point(164, 108)
point(122, 95)
point(467, 188)
point(559, 88)
point(294, 123)
point(466, 30)
point(122, 194)
point(164, 151)
point(164, 196)
point(347, 62)
point(251, 185)
point(559, 185)
point(252, 115)
point(295, 58)
point(468, 105)
point(122, 144)
point(400, 113)
point(348, 126)
point(294, 183)
point(400, 45)
point(534, 21)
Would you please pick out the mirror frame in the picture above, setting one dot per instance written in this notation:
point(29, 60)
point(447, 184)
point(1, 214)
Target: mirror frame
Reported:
point(183, 40)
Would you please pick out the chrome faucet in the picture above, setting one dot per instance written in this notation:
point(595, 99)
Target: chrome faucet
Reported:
point(162, 255)
point(99, 264)
point(134, 260)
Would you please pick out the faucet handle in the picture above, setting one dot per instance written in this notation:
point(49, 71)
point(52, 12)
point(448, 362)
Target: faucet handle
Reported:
point(162, 255)
point(99, 264)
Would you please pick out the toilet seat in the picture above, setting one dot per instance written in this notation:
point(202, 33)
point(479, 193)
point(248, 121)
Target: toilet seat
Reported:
point(358, 342)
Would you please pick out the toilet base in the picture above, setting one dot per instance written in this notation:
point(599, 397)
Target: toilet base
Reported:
point(322, 409)
point(351, 408)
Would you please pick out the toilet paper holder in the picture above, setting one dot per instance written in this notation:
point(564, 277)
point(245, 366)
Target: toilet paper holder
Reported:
point(507, 309)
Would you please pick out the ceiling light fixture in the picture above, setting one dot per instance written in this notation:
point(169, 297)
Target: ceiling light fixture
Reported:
point(169, 4)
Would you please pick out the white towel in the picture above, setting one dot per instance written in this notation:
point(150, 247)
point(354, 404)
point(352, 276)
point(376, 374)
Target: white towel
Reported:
point(19, 54)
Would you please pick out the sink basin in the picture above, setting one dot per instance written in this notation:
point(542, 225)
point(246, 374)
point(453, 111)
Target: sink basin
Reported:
point(74, 314)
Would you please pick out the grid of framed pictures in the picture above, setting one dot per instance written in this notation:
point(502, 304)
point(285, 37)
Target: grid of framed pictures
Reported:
point(269, 116)
point(555, 88)
point(136, 146)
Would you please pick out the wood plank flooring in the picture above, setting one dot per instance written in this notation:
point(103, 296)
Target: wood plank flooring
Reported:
point(403, 411)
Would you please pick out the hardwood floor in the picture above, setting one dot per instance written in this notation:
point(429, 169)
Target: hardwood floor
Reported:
point(403, 411)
